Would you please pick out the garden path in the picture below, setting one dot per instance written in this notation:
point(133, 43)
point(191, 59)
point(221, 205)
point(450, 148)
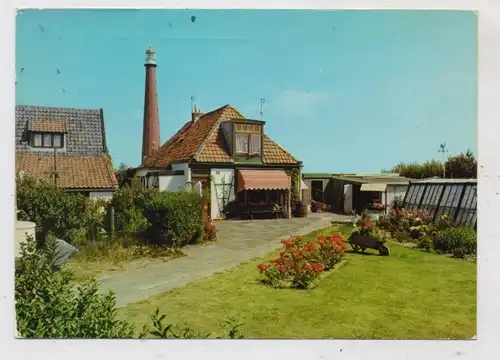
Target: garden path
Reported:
point(238, 241)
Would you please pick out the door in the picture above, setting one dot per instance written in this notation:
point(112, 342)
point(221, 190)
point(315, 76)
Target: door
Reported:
point(348, 199)
point(317, 190)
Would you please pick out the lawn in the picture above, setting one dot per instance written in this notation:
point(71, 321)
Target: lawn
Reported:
point(408, 295)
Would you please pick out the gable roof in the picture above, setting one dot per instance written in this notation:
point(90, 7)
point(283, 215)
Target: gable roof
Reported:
point(84, 128)
point(82, 162)
point(202, 141)
point(75, 172)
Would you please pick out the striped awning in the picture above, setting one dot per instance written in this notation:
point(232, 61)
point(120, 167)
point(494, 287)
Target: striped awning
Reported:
point(263, 180)
point(374, 187)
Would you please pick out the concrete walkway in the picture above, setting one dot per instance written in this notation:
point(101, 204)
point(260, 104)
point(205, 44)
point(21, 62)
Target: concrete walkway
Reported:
point(238, 241)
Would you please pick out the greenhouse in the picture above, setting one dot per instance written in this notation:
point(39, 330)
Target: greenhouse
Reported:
point(456, 198)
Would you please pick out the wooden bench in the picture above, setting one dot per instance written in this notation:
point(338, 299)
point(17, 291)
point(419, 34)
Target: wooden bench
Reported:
point(251, 210)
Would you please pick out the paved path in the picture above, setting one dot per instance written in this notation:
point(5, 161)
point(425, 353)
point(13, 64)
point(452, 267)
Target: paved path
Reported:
point(238, 241)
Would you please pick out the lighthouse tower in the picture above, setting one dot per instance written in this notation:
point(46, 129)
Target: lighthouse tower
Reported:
point(151, 124)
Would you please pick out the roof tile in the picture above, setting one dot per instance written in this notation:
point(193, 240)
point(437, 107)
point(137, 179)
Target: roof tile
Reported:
point(75, 172)
point(203, 141)
point(49, 125)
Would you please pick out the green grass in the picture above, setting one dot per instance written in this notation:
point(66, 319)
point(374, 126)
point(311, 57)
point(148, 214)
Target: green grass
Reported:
point(409, 295)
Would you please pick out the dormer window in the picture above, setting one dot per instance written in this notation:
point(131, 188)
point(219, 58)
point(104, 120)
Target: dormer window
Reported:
point(248, 139)
point(47, 140)
point(47, 133)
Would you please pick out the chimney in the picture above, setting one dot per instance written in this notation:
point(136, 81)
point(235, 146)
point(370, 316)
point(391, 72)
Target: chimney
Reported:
point(196, 114)
point(151, 124)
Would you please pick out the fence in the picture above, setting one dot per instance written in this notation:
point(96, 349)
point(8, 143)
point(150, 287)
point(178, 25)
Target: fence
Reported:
point(455, 198)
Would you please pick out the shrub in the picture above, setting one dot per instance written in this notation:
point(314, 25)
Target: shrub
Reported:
point(175, 217)
point(444, 223)
point(129, 203)
point(48, 306)
point(71, 217)
point(397, 203)
point(209, 230)
point(331, 250)
point(425, 243)
point(459, 241)
point(414, 223)
point(380, 235)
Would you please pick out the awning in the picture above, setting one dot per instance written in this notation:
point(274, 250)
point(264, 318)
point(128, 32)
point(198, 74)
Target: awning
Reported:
point(263, 180)
point(303, 185)
point(374, 187)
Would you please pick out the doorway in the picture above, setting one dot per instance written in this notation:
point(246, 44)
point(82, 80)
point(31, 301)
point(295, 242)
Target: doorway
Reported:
point(317, 190)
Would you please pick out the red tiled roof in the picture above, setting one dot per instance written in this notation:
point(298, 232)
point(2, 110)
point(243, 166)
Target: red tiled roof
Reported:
point(75, 172)
point(47, 125)
point(203, 142)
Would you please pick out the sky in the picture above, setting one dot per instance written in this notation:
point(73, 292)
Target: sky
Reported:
point(345, 91)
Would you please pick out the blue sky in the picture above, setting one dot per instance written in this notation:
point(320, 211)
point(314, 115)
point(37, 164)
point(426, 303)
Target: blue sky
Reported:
point(346, 91)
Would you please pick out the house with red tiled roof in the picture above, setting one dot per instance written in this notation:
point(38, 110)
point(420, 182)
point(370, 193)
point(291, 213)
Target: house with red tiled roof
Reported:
point(220, 151)
point(246, 171)
point(65, 147)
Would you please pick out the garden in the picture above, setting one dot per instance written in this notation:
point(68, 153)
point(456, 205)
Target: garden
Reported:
point(410, 294)
point(415, 279)
point(135, 228)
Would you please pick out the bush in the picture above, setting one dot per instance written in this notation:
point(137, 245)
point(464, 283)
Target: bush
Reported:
point(331, 250)
point(425, 243)
point(459, 242)
point(71, 217)
point(175, 218)
point(209, 230)
point(48, 306)
point(397, 203)
point(301, 264)
point(129, 203)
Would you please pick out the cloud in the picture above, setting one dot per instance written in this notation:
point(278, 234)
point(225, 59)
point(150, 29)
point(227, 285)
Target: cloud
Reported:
point(298, 103)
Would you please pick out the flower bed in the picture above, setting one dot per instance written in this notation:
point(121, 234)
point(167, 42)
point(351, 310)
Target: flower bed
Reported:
point(300, 264)
point(416, 227)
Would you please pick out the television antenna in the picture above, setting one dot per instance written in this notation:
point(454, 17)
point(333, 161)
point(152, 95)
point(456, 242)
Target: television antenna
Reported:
point(262, 102)
point(192, 103)
point(443, 150)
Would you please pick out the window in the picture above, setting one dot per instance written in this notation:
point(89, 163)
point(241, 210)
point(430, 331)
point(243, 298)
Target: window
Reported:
point(57, 141)
point(255, 144)
point(47, 140)
point(37, 140)
point(242, 143)
point(256, 196)
point(248, 144)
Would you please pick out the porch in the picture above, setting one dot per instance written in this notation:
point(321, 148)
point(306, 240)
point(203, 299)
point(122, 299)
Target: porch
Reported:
point(263, 193)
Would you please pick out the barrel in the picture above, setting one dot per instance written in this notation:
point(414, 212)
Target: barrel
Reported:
point(23, 229)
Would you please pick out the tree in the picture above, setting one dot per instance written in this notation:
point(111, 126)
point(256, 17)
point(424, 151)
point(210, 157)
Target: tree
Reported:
point(419, 171)
point(124, 175)
point(462, 166)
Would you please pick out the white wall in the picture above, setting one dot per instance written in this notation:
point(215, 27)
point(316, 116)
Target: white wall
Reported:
point(172, 182)
point(105, 195)
point(185, 167)
point(169, 182)
point(220, 176)
point(393, 191)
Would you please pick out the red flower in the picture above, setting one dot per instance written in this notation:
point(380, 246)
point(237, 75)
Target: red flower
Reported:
point(318, 267)
point(281, 268)
point(262, 267)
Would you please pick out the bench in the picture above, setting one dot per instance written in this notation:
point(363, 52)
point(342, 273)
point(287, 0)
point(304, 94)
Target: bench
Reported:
point(251, 210)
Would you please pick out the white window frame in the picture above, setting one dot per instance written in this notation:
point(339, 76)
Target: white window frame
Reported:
point(259, 145)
